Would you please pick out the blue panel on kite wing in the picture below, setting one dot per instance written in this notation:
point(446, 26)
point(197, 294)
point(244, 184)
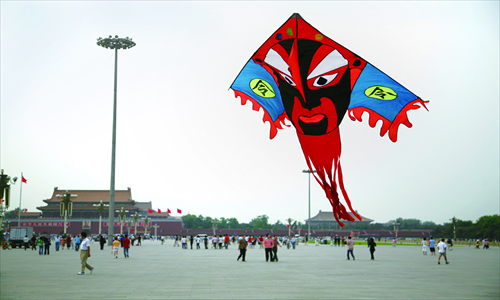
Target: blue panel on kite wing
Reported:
point(254, 81)
point(380, 93)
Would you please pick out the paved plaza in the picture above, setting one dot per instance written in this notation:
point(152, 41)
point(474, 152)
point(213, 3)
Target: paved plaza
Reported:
point(156, 271)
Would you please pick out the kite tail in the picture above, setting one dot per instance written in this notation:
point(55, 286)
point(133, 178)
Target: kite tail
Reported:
point(323, 155)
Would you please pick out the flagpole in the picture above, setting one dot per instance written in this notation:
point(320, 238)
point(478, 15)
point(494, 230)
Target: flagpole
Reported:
point(20, 197)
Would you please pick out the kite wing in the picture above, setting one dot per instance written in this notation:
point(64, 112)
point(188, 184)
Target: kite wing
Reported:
point(256, 84)
point(383, 99)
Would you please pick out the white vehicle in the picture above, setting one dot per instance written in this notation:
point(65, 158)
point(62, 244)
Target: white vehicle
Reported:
point(17, 235)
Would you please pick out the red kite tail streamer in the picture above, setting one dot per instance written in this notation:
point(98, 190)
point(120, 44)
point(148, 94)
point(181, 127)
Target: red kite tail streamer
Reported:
point(322, 154)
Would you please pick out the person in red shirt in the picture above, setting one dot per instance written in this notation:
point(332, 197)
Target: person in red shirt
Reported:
point(126, 246)
point(226, 241)
point(268, 245)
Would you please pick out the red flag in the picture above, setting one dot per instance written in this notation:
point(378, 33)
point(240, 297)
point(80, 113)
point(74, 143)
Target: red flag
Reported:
point(150, 210)
point(288, 226)
point(15, 211)
point(179, 211)
point(23, 179)
point(159, 211)
point(168, 210)
point(25, 210)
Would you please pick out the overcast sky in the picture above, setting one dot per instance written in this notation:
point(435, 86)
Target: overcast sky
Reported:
point(183, 139)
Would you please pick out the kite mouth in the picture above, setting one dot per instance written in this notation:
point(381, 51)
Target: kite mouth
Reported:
point(313, 119)
point(314, 125)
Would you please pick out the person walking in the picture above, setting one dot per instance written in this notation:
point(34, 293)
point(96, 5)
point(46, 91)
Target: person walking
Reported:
point(26, 242)
point(198, 242)
point(33, 243)
point(102, 241)
point(226, 241)
point(126, 246)
point(116, 246)
point(276, 243)
point(268, 246)
point(371, 245)
point(442, 251)
point(85, 254)
point(78, 241)
point(242, 246)
point(68, 241)
point(424, 246)
point(432, 246)
point(191, 240)
point(58, 242)
point(350, 248)
point(46, 246)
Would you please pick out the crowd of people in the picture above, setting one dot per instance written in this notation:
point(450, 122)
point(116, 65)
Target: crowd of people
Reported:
point(82, 243)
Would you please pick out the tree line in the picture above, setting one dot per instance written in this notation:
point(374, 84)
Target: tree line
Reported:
point(200, 222)
point(486, 227)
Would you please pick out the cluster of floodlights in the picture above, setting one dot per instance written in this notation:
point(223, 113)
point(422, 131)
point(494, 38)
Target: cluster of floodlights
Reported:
point(115, 42)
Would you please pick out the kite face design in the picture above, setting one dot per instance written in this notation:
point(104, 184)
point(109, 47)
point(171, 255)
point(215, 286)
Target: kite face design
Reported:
point(303, 76)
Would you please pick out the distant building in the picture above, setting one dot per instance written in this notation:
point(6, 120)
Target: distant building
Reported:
point(326, 220)
point(83, 204)
point(85, 216)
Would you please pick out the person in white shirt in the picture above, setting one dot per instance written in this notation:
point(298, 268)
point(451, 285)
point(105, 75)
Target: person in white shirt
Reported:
point(198, 242)
point(85, 254)
point(442, 251)
point(26, 242)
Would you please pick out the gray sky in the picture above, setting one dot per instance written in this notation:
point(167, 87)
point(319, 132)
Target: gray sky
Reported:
point(183, 139)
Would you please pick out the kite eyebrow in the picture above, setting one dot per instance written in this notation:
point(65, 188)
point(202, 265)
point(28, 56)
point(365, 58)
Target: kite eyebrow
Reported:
point(332, 61)
point(274, 59)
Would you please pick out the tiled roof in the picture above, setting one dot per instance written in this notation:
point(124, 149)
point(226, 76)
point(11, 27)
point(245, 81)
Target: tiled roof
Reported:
point(327, 216)
point(92, 196)
point(144, 205)
point(30, 214)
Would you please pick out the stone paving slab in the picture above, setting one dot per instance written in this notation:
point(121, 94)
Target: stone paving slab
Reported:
point(156, 271)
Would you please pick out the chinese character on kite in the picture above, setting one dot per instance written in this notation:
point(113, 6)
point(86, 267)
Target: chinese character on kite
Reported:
point(303, 76)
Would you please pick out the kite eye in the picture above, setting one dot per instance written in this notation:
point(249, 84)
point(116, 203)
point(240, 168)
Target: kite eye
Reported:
point(288, 79)
point(324, 80)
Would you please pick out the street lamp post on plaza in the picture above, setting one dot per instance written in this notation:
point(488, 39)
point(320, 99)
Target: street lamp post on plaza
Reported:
point(135, 218)
point(309, 218)
point(155, 226)
point(122, 214)
point(214, 226)
point(454, 221)
point(289, 220)
point(114, 43)
point(100, 207)
point(5, 182)
point(66, 207)
point(146, 224)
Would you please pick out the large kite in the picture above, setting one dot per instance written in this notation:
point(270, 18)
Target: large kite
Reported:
point(301, 75)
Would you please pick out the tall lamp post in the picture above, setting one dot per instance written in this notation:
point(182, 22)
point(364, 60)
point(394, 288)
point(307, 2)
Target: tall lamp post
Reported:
point(122, 214)
point(454, 221)
point(66, 208)
point(146, 224)
point(100, 207)
point(396, 228)
point(289, 220)
point(135, 218)
point(214, 226)
point(309, 218)
point(5, 182)
point(114, 43)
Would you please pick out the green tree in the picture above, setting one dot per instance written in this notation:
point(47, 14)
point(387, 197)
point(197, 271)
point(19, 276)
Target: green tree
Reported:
point(11, 214)
point(190, 221)
point(232, 223)
point(260, 222)
point(488, 227)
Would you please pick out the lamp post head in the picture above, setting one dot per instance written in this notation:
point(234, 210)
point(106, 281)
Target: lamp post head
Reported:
point(116, 42)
